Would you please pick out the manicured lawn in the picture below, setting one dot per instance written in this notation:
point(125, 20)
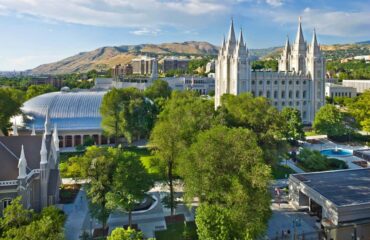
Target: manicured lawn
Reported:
point(279, 171)
point(175, 231)
point(310, 133)
point(148, 161)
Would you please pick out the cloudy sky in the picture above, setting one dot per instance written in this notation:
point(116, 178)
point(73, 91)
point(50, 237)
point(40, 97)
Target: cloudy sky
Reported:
point(41, 31)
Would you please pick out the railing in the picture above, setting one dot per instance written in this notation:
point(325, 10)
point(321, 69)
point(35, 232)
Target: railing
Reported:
point(34, 171)
point(9, 183)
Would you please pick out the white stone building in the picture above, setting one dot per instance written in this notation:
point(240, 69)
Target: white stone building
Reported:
point(360, 85)
point(300, 82)
point(335, 90)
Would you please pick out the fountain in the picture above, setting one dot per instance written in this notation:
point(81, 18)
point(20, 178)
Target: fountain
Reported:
point(337, 152)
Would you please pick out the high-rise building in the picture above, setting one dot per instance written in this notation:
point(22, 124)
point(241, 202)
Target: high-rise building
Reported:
point(143, 65)
point(299, 83)
point(174, 63)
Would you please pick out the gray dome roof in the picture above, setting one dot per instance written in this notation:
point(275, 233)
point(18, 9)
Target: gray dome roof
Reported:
point(70, 110)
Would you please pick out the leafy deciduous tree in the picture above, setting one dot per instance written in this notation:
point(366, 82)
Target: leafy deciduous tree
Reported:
point(293, 130)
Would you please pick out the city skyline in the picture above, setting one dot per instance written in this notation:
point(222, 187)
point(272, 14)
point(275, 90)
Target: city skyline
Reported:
point(37, 32)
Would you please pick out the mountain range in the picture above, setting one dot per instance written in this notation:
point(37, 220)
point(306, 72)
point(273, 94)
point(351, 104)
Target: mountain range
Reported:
point(106, 57)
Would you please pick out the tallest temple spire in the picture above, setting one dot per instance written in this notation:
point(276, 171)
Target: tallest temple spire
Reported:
point(299, 37)
point(231, 41)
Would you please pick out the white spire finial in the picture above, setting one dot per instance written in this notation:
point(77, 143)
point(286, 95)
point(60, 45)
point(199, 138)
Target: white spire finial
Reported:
point(43, 152)
point(33, 133)
point(15, 128)
point(47, 122)
point(22, 165)
point(299, 38)
point(56, 137)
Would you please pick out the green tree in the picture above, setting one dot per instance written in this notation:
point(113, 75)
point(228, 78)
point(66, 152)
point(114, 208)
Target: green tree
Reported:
point(98, 165)
point(224, 168)
point(18, 222)
point(293, 130)
point(159, 89)
point(110, 110)
point(130, 183)
point(10, 102)
point(329, 120)
point(125, 234)
point(182, 118)
point(256, 114)
point(35, 90)
point(213, 222)
point(360, 110)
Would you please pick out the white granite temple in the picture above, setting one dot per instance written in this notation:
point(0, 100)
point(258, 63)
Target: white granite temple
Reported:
point(299, 83)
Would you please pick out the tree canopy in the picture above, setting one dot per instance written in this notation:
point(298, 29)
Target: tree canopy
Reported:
point(35, 90)
point(224, 168)
point(360, 110)
point(10, 102)
point(125, 234)
point(159, 89)
point(329, 120)
point(293, 130)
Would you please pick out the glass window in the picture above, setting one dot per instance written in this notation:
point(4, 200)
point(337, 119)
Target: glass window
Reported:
point(253, 82)
point(304, 103)
point(282, 82)
point(260, 93)
point(268, 94)
point(260, 82)
point(290, 94)
point(275, 82)
point(297, 82)
point(268, 82)
point(290, 82)
point(282, 94)
point(6, 202)
point(282, 103)
point(275, 94)
point(297, 103)
point(304, 94)
point(304, 82)
point(253, 93)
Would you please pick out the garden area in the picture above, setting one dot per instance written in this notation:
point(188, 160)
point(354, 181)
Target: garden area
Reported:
point(312, 161)
point(281, 171)
point(178, 231)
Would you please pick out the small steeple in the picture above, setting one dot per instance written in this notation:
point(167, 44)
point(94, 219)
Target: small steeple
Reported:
point(44, 152)
point(22, 165)
point(55, 137)
point(241, 39)
point(241, 47)
point(314, 47)
point(33, 133)
point(15, 128)
point(286, 50)
point(47, 122)
point(314, 39)
point(299, 37)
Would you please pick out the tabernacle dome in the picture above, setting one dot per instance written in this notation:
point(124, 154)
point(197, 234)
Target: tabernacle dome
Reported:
point(75, 113)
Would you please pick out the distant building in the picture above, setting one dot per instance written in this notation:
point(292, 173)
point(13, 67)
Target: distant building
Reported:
point(119, 71)
point(335, 90)
point(29, 168)
point(57, 83)
point(143, 65)
point(174, 63)
point(360, 85)
point(339, 199)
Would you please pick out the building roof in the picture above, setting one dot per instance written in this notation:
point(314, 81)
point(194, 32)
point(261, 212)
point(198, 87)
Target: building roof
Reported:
point(343, 187)
point(74, 110)
point(10, 150)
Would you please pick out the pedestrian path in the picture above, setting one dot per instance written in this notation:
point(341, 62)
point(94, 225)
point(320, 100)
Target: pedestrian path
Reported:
point(291, 164)
point(77, 213)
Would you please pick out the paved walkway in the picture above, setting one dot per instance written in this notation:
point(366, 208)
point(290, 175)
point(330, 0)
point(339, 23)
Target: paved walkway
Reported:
point(291, 164)
point(77, 213)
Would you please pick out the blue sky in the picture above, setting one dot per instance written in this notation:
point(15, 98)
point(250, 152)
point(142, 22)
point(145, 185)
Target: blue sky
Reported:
point(34, 32)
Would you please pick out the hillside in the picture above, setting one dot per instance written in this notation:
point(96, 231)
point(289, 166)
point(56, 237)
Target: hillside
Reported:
point(333, 52)
point(106, 57)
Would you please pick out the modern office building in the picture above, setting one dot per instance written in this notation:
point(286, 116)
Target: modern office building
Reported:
point(299, 83)
point(335, 90)
point(340, 199)
point(144, 65)
point(174, 63)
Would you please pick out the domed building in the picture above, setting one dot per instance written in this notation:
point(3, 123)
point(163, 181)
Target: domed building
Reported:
point(75, 113)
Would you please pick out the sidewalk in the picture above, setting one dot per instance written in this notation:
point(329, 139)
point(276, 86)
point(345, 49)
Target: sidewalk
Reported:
point(77, 213)
point(291, 164)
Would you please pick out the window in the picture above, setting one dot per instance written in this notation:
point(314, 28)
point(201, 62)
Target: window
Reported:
point(253, 82)
point(282, 82)
point(297, 94)
point(290, 82)
point(253, 94)
point(297, 103)
point(304, 94)
point(304, 103)
point(268, 94)
point(276, 103)
point(6, 202)
point(304, 114)
point(282, 103)
point(260, 93)
point(261, 82)
point(297, 82)
point(275, 94)
point(282, 94)
point(304, 82)
point(268, 82)
point(275, 82)
point(290, 103)
point(290, 94)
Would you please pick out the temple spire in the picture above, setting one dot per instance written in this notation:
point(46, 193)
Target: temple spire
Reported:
point(44, 152)
point(22, 165)
point(47, 122)
point(56, 137)
point(299, 37)
point(314, 39)
point(33, 133)
point(15, 128)
point(241, 39)
point(231, 38)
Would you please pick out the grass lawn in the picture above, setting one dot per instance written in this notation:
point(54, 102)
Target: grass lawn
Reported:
point(310, 133)
point(175, 231)
point(279, 171)
point(147, 159)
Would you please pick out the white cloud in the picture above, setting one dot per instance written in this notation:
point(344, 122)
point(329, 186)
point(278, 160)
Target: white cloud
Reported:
point(122, 13)
point(275, 3)
point(146, 32)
